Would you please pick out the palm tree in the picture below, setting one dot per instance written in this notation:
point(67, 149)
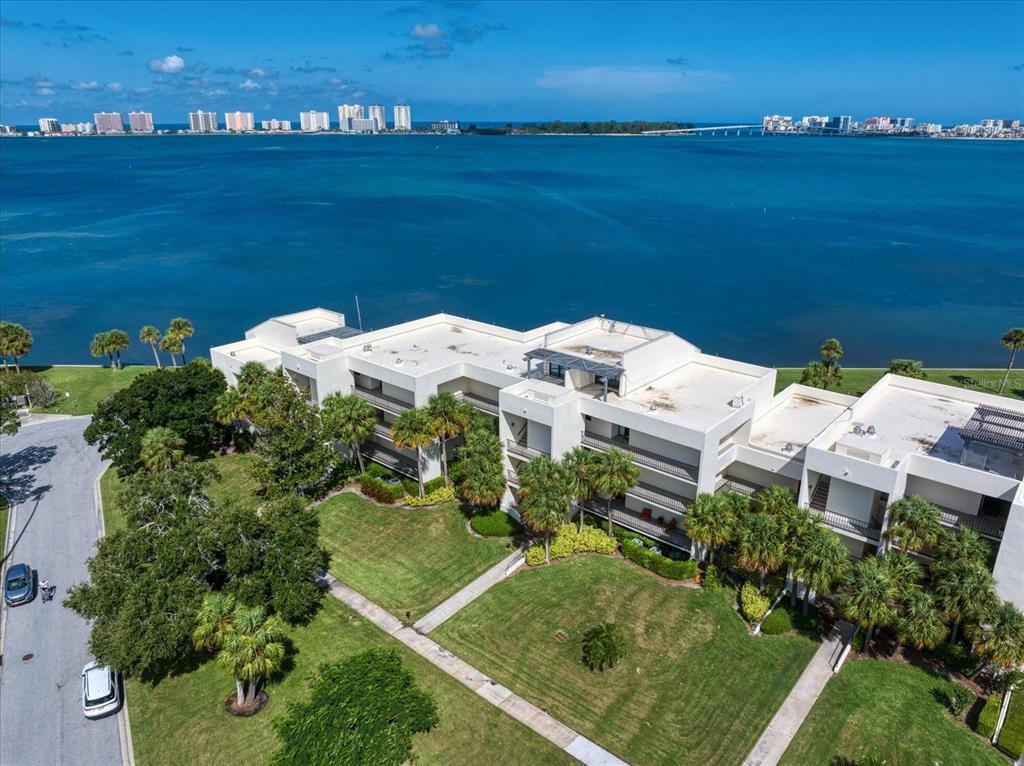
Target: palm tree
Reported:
point(118, 342)
point(149, 334)
point(962, 544)
point(483, 469)
point(172, 344)
point(1013, 341)
point(614, 476)
point(913, 524)
point(824, 563)
point(15, 342)
point(711, 522)
point(919, 623)
point(869, 596)
point(579, 465)
point(798, 527)
point(181, 328)
point(762, 546)
point(908, 368)
point(964, 590)
point(350, 420)
point(214, 622)
point(230, 407)
point(448, 418)
point(101, 345)
point(905, 573)
point(831, 352)
point(252, 650)
point(544, 498)
point(411, 430)
point(776, 499)
point(161, 449)
point(1000, 640)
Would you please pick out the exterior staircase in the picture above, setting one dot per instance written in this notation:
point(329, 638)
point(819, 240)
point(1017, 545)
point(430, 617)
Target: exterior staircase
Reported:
point(820, 496)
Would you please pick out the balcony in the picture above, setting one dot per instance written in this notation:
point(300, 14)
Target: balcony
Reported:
point(633, 520)
point(987, 526)
point(383, 401)
point(732, 484)
point(383, 431)
point(513, 477)
point(674, 468)
point(663, 498)
point(389, 458)
point(486, 406)
point(850, 525)
point(519, 449)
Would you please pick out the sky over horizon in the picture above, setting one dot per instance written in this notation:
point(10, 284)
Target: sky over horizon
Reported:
point(493, 61)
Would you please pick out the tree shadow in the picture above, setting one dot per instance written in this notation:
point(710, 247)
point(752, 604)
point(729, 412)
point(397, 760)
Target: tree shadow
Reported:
point(36, 494)
point(17, 477)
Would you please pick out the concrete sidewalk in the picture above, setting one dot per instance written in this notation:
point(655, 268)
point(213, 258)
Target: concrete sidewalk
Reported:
point(783, 727)
point(480, 585)
point(576, 745)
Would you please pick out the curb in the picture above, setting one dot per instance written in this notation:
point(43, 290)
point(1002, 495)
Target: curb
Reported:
point(6, 543)
point(124, 724)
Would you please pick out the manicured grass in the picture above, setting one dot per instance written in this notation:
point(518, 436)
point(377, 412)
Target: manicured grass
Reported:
point(182, 720)
point(497, 523)
point(694, 688)
point(858, 380)
point(80, 389)
point(234, 485)
point(404, 559)
point(888, 710)
point(1011, 738)
point(4, 512)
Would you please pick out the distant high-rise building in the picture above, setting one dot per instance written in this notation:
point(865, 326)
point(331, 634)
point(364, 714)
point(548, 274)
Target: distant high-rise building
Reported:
point(313, 121)
point(108, 122)
point(140, 122)
point(377, 115)
point(445, 126)
point(8, 130)
point(403, 117)
point(360, 125)
point(239, 122)
point(276, 124)
point(841, 123)
point(348, 112)
point(202, 122)
point(49, 125)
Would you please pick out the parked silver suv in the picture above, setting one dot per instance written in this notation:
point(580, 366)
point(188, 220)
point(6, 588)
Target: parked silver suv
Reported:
point(101, 692)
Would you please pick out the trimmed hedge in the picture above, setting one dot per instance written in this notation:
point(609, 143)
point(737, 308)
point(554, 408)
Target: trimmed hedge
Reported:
point(438, 496)
point(1011, 738)
point(753, 603)
point(379, 490)
point(568, 540)
point(666, 567)
point(989, 716)
point(777, 623)
point(433, 485)
point(785, 618)
point(495, 524)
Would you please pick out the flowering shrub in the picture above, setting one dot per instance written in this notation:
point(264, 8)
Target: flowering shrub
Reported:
point(438, 496)
point(753, 602)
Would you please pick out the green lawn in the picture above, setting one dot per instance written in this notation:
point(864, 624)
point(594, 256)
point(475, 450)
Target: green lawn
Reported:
point(695, 687)
point(182, 720)
point(404, 559)
point(80, 389)
point(888, 710)
point(4, 511)
point(858, 380)
point(1011, 738)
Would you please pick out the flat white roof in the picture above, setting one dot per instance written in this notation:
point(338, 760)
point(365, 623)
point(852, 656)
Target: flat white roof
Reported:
point(796, 419)
point(250, 350)
point(604, 346)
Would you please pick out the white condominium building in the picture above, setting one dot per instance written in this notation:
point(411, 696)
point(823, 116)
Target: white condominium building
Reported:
point(313, 121)
point(108, 122)
point(690, 422)
point(276, 125)
point(239, 122)
point(202, 122)
point(49, 125)
point(349, 112)
point(77, 128)
point(377, 115)
point(140, 122)
point(403, 117)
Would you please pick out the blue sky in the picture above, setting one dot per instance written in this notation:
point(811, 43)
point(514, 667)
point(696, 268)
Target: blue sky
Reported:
point(946, 61)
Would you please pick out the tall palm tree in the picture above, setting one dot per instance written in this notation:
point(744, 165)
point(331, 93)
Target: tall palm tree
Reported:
point(15, 342)
point(614, 476)
point(869, 596)
point(448, 418)
point(964, 591)
point(172, 344)
point(579, 465)
point(1000, 639)
point(411, 430)
point(831, 352)
point(544, 498)
point(161, 449)
point(905, 573)
point(350, 420)
point(1013, 341)
point(711, 522)
point(775, 499)
point(253, 650)
point(483, 469)
point(762, 546)
point(181, 328)
point(798, 527)
point(118, 342)
point(149, 334)
point(913, 524)
point(214, 622)
point(230, 407)
point(824, 563)
point(101, 345)
point(962, 544)
point(918, 622)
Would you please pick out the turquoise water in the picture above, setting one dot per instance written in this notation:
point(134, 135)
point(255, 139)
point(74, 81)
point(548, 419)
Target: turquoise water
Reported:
point(751, 247)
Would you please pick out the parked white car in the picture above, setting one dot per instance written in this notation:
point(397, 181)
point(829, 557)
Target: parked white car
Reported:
point(101, 692)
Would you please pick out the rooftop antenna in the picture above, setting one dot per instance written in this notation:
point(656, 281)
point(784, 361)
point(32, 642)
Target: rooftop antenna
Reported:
point(359, 316)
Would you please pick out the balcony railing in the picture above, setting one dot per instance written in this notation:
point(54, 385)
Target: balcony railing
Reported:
point(675, 468)
point(629, 519)
point(520, 449)
point(389, 459)
point(484, 405)
point(732, 484)
point(378, 399)
point(988, 526)
point(513, 477)
point(383, 431)
point(658, 496)
point(849, 524)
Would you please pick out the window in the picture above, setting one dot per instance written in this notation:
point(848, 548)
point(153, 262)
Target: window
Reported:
point(556, 371)
point(622, 432)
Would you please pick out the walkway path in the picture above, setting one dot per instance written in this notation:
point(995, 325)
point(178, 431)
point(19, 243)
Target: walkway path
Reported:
point(576, 745)
point(783, 727)
point(492, 576)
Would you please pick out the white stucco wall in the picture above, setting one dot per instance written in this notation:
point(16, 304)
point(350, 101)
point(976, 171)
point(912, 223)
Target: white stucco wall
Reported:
point(850, 499)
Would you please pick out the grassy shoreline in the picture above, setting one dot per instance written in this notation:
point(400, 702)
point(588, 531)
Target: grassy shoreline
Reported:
point(857, 380)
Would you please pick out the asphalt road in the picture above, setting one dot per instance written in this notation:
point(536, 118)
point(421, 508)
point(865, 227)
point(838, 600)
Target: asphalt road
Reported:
point(48, 471)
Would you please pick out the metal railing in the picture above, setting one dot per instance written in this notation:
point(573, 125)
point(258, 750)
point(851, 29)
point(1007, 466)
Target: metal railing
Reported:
point(482, 404)
point(385, 402)
point(513, 477)
point(849, 524)
point(633, 521)
point(731, 484)
point(989, 526)
point(675, 468)
point(390, 459)
point(658, 496)
point(519, 448)
point(383, 431)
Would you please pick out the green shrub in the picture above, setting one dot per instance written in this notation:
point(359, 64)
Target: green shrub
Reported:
point(712, 579)
point(753, 603)
point(497, 523)
point(433, 485)
point(959, 699)
point(989, 716)
point(438, 496)
point(785, 618)
point(535, 555)
point(957, 657)
point(378, 471)
point(666, 567)
point(603, 646)
point(777, 623)
point(1011, 737)
point(568, 540)
point(857, 642)
point(381, 491)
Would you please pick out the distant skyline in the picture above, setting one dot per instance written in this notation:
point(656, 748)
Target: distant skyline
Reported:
point(485, 61)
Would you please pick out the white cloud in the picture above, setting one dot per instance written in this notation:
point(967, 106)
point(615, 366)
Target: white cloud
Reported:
point(426, 31)
point(257, 72)
point(249, 85)
point(168, 64)
point(143, 89)
point(215, 93)
point(115, 86)
point(627, 81)
point(45, 92)
point(86, 85)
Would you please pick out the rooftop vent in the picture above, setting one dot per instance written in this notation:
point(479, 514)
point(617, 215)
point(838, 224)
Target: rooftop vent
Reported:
point(588, 351)
point(871, 431)
point(367, 348)
point(233, 354)
point(857, 429)
point(397, 361)
point(510, 366)
point(788, 447)
point(737, 401)
point(653, 408)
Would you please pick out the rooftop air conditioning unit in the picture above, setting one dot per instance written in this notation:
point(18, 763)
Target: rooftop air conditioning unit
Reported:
point(367, 348)
point(737, 401)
